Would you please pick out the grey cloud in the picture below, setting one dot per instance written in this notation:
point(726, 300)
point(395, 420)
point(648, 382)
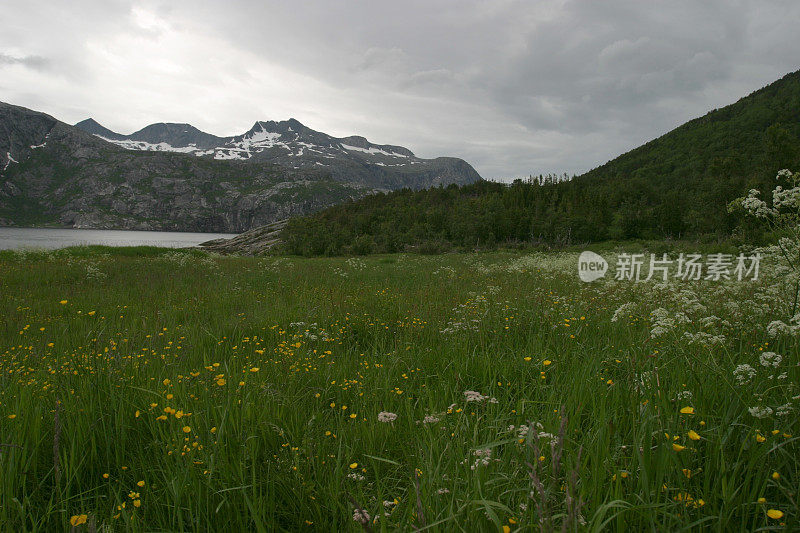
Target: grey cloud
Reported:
point(34, 62)
point(513, 86)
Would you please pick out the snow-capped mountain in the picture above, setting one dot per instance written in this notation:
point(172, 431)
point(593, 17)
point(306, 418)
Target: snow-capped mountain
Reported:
point(291, 144)
point(176, 177)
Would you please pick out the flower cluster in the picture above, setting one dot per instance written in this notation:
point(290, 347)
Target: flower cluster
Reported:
point(386, 417)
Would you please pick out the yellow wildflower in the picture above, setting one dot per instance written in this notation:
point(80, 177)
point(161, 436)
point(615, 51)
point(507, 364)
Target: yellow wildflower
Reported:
point(77, 519)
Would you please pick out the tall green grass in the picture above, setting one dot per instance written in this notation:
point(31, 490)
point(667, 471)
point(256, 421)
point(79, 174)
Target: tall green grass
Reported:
point(275, 449)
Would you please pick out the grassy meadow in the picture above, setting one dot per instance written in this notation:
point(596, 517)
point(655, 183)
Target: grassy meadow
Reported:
point(152, 390)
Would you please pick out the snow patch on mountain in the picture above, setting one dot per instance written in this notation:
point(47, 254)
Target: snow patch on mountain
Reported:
point(9, 161)
point(371, 150)
point(260, 139)
point(231, 154)
point(150, 147)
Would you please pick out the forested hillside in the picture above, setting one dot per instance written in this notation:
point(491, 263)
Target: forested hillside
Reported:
point(677, 185)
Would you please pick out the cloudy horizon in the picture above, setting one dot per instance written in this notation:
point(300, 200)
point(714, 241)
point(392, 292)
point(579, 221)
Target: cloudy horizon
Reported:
point(514, 88)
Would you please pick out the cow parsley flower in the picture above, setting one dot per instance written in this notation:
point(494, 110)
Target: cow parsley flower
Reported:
point(744, 374)
point(361, 516)
point(484, 457)
point(785, 197)
point(778, 327)
point(684, 395)
point(784, 410)
point(770, 359)
point(622, 311)
point(703, 338)
point(385, 416)
point(473, 396)
point(759, 411)
point(756, 206)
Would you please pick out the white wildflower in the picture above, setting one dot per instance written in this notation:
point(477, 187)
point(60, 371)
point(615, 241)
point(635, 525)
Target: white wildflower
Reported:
point(657, 331)
point(756, 206)
point(759, 411)
point(703, 338)
point(684, 395)
point(473, 396)
point(545, 435)
point(484, 457)
point(385, 416)
point(778, 327)
point(744, 374)
point(770, 359)
point(361, 516)
point(623, 311)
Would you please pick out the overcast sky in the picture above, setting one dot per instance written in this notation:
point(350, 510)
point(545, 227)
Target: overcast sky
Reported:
point(513, 87)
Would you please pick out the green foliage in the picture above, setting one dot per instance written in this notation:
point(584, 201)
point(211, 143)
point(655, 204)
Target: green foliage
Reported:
point(676, 186)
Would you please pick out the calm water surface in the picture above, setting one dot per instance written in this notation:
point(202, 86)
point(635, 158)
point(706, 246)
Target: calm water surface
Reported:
point(50, 238)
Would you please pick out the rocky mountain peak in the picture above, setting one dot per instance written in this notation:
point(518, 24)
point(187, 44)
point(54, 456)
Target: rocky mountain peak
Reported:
point(90, 125)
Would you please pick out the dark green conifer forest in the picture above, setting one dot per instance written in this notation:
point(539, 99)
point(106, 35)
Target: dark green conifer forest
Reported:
point(677, 186)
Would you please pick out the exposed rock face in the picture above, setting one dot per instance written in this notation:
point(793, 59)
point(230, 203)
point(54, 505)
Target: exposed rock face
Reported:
point(175, 177)
point(254, 242)
point(21, 132)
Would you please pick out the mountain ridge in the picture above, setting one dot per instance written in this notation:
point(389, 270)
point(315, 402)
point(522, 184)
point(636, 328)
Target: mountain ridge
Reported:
point(291, 144)
point(171, 133)
point(52, 173)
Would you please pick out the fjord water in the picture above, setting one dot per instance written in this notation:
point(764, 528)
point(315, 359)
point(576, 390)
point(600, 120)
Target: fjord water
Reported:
point(51, 238)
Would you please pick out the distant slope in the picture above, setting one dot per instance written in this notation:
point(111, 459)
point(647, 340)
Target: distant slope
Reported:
point(675, 186)
point(89, 176)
